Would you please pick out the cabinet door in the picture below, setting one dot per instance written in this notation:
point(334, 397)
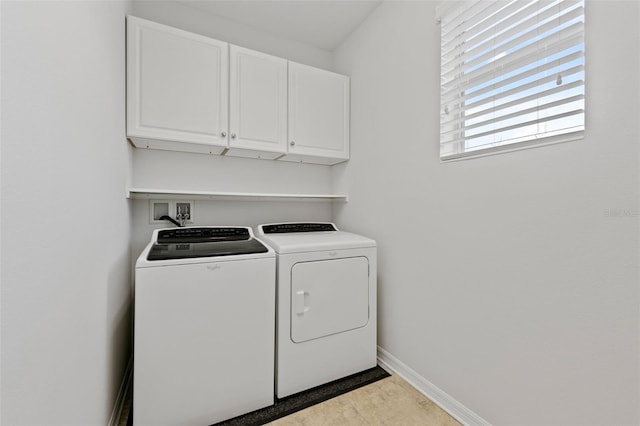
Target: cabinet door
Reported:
point(318, 115)
point(258, 104)
point(177, 88)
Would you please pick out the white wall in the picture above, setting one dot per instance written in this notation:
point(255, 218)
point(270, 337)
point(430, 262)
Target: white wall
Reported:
point(187, 18)
point(199, 172)
point(510, 281)
point(65, 219)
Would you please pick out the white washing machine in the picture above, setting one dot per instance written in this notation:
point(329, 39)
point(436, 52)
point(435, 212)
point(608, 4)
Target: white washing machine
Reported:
point(204, 326)
point(326, 304)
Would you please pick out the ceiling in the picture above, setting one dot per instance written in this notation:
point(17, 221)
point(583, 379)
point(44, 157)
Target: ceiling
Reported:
point(320, 23)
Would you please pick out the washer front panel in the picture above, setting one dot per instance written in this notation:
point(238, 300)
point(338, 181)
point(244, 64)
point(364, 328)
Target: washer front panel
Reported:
point(204, 349)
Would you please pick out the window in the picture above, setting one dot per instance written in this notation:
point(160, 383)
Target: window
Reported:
point(512, 75)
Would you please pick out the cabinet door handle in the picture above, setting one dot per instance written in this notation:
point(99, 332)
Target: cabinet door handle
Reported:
point(223, 134)
point(292, 143)
point(233, 135)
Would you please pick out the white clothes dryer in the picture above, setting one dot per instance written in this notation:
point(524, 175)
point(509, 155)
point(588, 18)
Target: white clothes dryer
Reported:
point(204, 326)
point(326, 304)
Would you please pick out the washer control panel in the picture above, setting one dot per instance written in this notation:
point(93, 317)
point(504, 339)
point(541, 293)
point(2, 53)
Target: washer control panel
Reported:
point(202, 235)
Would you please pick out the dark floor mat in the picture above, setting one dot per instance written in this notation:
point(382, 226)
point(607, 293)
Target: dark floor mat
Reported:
point(291, 404)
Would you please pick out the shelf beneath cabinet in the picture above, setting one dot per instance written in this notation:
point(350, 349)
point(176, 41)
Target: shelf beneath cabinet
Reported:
point(146, 194)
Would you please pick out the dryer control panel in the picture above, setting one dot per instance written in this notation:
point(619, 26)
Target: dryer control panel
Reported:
point(283, 228)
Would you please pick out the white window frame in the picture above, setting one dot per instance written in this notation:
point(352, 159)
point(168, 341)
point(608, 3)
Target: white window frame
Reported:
point(512, 75)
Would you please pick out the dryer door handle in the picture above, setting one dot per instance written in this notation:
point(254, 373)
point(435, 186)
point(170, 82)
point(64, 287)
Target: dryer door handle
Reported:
point(302, 302)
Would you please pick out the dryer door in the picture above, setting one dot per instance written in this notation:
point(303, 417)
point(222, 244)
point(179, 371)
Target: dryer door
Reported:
point(328, 297)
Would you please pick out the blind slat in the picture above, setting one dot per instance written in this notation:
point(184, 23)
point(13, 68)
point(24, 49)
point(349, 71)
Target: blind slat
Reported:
point(507, 29)
point(519, 89)
point(525, 124)
point(450, 95)
point(571, 35)
point(464, 85)
point(499, 62)
point(463, 14)
point(537, 108)
point(467, 32)
point(448, 152)
point(526, 37)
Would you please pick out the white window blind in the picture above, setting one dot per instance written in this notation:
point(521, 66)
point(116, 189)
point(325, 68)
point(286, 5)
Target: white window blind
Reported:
point(512, 75)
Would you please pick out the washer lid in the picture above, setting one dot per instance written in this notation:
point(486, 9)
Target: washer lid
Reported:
point(194, 242)
point(304, 240)
point(211, 249)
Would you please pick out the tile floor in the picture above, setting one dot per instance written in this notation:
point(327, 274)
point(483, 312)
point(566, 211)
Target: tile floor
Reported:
point(389, 402)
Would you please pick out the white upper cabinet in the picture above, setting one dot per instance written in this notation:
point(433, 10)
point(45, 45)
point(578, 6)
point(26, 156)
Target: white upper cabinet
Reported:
point(257, 104)
point(177, 89)
point(191, 93)
point(318, 115)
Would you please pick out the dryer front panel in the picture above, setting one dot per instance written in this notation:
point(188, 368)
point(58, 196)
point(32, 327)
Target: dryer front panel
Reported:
point(328, 297)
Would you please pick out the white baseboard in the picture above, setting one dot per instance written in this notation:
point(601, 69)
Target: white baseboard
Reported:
point(122, 393)
point(445, 401)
